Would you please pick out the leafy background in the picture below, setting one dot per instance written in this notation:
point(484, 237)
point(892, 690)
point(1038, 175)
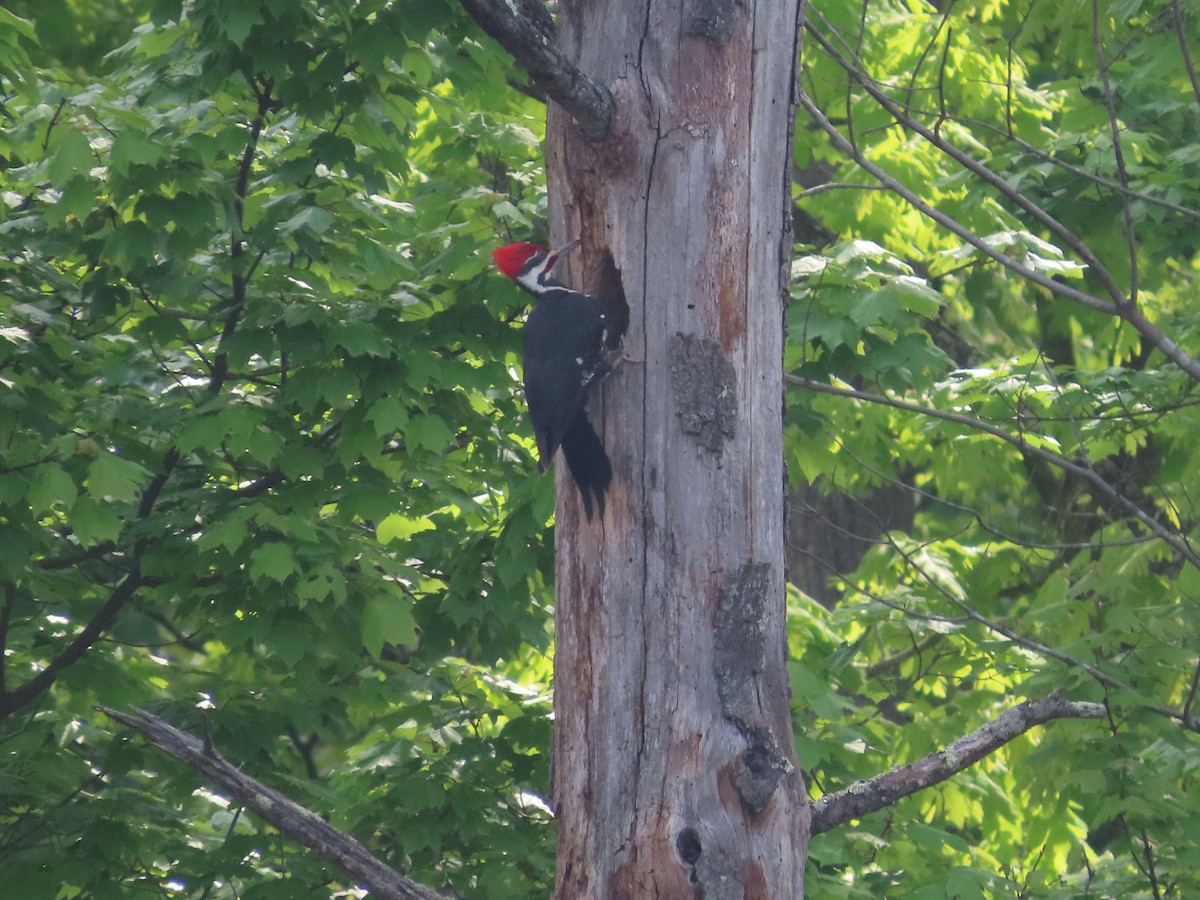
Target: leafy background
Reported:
point(264, 468)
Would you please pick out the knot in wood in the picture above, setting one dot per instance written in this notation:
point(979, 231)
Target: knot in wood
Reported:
point(763, 766)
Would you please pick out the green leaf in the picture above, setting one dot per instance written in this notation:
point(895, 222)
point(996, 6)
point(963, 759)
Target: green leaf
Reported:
point(112, 478)
point(362, 339)
point(229, 532)
point(237, 19)
point(94, 523)
point(11, 21)
point(51, 486)
point(78, 198)
point(388, 415)
point(387, 619)
point(200, 432)
point(311, 219)
point(157, 40)
point(132, 148)
point(72, 156)
point(16, 547)
point(428, 432)
point(274, 562)
point(397, 527)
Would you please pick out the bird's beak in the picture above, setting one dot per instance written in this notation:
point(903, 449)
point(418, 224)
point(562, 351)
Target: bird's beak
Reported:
point(562, 251)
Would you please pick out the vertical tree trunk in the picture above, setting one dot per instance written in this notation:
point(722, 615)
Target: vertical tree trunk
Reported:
point(673, 756)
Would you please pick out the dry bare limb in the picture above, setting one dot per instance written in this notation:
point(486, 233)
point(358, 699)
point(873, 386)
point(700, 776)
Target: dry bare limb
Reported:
point(292, 819)
point(885, 790)
point(525, 30)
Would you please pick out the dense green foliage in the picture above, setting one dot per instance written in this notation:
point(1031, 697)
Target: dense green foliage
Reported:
point(1018, 576)
point(263, 467)
point(257, 392)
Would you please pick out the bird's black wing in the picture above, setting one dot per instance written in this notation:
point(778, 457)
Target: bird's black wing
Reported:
point(564, 340)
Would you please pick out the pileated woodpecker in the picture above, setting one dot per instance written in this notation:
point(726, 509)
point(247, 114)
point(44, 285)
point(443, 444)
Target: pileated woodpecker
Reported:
point(565, 354)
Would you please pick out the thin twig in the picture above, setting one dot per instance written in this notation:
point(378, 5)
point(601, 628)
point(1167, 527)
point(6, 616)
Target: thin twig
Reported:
point(1029, 643)
point(1121, 306)
point(1176, 541)
point(1094, 177)
point(1114, 127)
point(1148, 852)
point(1179, 17)
point(838, 186)
point(1054, 286)
point(53, 121)
point(971, 164)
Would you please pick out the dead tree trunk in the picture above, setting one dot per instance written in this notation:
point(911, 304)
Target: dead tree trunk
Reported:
point(673, 754)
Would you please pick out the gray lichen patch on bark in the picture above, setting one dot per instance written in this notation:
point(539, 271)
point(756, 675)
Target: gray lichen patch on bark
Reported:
point(712, 19)
point(739, 656)
point(718, 878)
point(704, 384)
point(740, 653)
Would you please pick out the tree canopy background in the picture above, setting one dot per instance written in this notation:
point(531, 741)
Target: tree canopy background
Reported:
point(264, 468)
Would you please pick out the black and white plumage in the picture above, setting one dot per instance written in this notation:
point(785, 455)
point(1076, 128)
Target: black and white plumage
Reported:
point(566, 354)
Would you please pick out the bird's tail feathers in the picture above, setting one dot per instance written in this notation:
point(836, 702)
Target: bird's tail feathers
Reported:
point(587, 462)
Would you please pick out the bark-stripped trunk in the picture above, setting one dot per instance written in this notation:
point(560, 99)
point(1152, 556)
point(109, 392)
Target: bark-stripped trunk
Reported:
point(673, 758)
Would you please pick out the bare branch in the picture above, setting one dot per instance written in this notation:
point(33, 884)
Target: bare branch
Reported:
point(885, 790)
point(290, 818)
point(524, 29)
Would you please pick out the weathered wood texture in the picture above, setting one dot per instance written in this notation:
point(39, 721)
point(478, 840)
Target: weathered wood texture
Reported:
point(673, 755)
